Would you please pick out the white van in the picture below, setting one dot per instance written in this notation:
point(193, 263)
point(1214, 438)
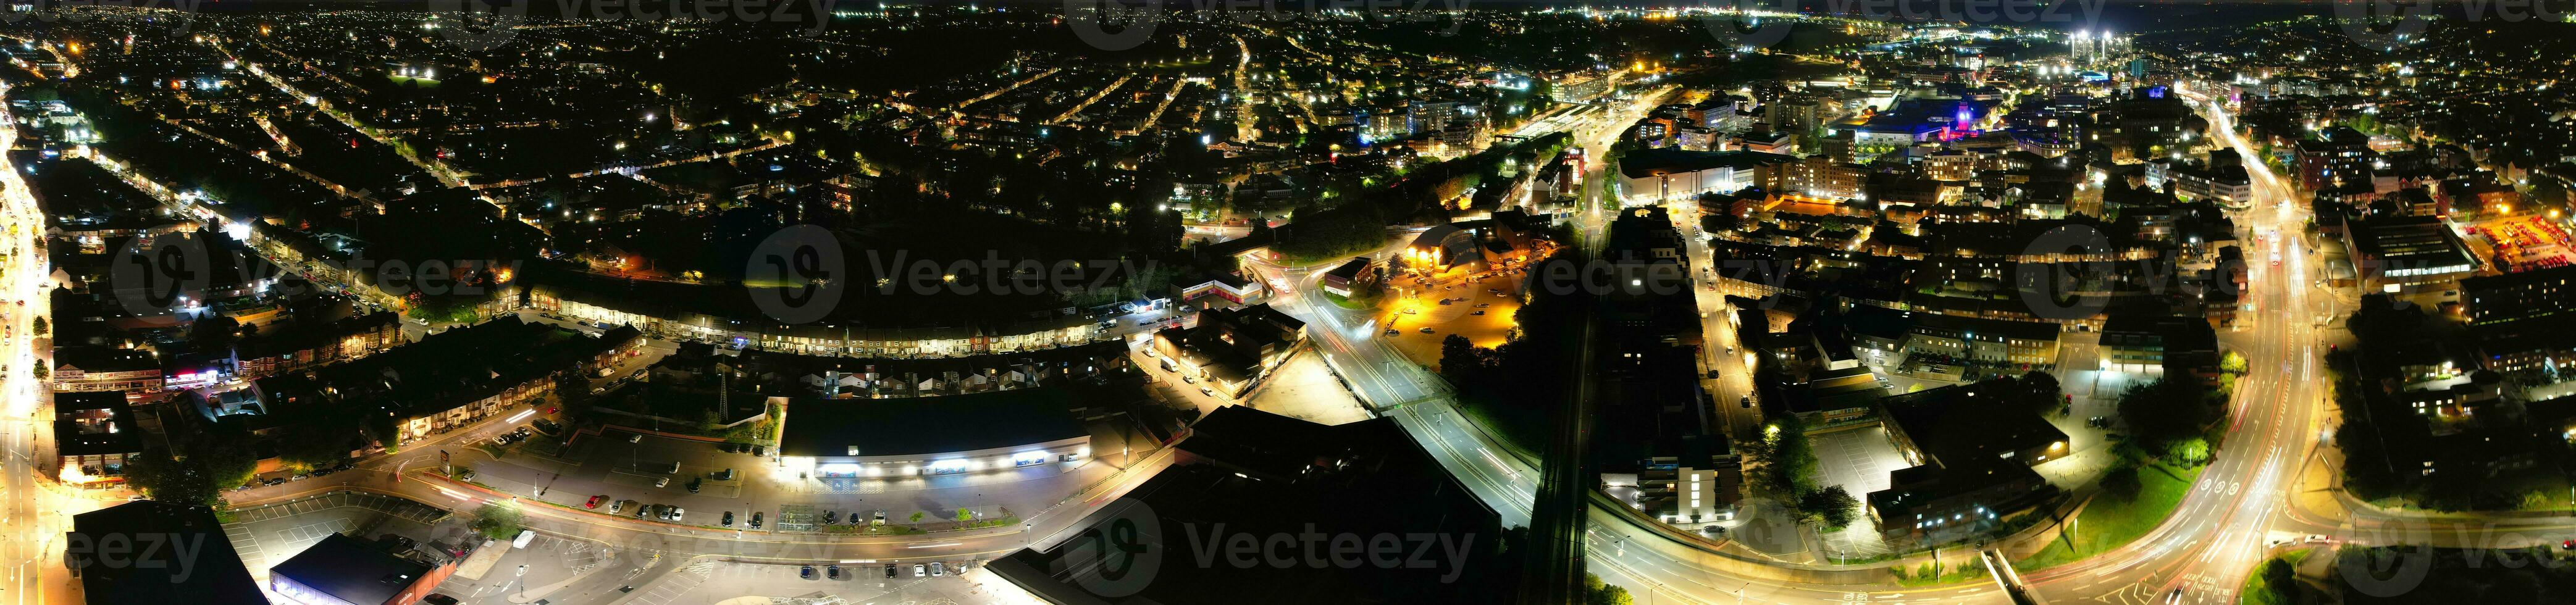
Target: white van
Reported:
point(525, 536)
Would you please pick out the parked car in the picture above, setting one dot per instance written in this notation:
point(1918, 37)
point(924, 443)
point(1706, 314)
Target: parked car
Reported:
point(1477, 313)
point(830, 517)
point(759, 450)
point(1426, 330)
point(919, 570)
point(755, 519)
point(936, 569)
point(832, 572)
point(728, 519)
point(1745, 402)
point(1393, 331)
point(594, 501)
point(438, 599)
point(806, 572)
point(662, 482)
point(889, 570)
point(693, 485)
point(273, 481)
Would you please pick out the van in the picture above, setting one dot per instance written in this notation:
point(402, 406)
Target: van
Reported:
point(525, 536)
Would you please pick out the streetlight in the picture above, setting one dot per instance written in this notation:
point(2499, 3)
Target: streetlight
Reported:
point(522, 580)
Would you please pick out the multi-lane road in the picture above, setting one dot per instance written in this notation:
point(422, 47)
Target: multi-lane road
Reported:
point(38, 509)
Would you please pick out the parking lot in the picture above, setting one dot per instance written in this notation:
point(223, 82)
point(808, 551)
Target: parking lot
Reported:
point(1304, 389)
point(268, 534)
point(711, 581)
point(1858, 460)
point(1402, 318)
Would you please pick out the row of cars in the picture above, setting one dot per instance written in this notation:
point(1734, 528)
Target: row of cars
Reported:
point(932, 569)
point(662, 512)
point(512, 437)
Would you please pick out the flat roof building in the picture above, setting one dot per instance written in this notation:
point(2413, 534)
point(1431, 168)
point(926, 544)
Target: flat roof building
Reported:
point(2399, 254)
point(1972, 446)
point(130, 553)
point(94, 432)
point(1653, 176)
point(343, 570)
point(840, 438)
point(1231, 349)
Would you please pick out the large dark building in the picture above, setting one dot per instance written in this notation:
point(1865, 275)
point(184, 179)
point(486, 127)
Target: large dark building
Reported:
point(846, 438)
point(2521, 320)
point(1247, 474)
point(1972, 448)
point(131, 553)
point(340, 570)
point(2333, 155)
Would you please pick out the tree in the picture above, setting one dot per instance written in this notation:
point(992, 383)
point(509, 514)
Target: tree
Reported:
point(381, 427)
point(498, 521)
point(316, 442)
point(42, 327)
point(1462, 362)
point(166, 478)
point(2165, 411)
point(1597, 592)
point(2040, 391)
point(964, 515)
point(2233, 363)
point(2281, 580)
point(1788, 462)
point(916, 516)
point(1831, 507)
point(229, 462)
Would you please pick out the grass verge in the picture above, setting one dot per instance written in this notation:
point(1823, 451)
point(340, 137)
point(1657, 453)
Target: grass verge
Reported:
point(1512, 429)
point(2109, 522)
point(2259, 590)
